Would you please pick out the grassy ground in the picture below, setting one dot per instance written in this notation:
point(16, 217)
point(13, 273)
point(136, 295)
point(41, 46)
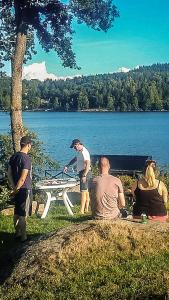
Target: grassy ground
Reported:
point(57, 218)
point(119, 260)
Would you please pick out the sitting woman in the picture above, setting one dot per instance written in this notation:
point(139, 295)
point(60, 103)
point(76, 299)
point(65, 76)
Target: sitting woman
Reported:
point(150, 195)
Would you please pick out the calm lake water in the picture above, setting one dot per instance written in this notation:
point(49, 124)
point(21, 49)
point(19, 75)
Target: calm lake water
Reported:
point(102, 133)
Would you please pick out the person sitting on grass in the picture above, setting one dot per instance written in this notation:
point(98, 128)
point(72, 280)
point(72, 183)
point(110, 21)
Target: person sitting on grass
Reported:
point(150, 195)
point(106, 193)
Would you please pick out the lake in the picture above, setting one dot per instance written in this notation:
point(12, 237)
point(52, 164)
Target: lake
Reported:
point(140, 133)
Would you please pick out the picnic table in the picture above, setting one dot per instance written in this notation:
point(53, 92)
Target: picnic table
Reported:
point(59, 187)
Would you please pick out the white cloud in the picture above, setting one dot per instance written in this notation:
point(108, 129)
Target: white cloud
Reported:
point(39, 71)
point(123, 70)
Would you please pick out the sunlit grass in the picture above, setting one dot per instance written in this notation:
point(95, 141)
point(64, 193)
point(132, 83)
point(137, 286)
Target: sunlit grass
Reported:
point(56, 218)
point(108, 261)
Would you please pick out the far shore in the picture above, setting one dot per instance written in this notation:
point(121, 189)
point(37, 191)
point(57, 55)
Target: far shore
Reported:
point(89, 110)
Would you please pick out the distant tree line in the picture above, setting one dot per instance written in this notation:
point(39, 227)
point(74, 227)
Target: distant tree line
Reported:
point(143, 89)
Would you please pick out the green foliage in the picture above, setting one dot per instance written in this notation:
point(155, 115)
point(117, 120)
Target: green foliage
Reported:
point(4, 196)
point(40, 161)
point(95, 169)
point(134, 91)
point(5, 92)
point(127, 181)
point(51, 22)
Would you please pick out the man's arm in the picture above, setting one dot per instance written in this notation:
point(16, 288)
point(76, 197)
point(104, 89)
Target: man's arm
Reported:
point(121, 200)
point(21, 180)
point(10, 178)
point(134, 186)
point(92, 193)
point(70, 163)
point(164, 192)
point(86, 170)
point(86, 167)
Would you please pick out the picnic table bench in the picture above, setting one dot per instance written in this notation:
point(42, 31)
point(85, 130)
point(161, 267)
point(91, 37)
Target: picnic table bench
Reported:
point(124, 164)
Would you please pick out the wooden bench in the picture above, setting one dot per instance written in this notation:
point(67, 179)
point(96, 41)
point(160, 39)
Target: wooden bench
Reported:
point(124, 164)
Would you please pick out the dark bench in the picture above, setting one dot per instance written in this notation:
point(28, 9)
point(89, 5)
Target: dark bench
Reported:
point(124, 164)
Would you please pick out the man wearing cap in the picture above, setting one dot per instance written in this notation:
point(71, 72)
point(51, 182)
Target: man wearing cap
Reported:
point(19, 175)
point(82, 160)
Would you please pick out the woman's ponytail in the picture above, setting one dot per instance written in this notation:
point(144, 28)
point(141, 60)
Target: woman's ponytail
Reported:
point(150, 175)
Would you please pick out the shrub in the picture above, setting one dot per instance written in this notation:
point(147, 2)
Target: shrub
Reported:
point(40, 161)
point(4, 196)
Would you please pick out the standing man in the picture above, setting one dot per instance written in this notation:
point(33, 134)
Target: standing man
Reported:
point(106, 193)
point(82, 159)
point(19, 175)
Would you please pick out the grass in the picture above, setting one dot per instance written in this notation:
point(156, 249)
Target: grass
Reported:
point(57, 218)
point(119, 260)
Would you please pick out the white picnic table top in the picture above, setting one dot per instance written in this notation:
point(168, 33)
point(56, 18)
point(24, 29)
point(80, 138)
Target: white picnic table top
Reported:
point(60, 186)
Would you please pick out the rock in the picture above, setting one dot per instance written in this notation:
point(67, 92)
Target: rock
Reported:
point(60, 247)
point(9, 211)
point(40, 208)
point(34, 207)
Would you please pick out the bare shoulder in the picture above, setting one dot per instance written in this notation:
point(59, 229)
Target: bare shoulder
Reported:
point(116, 179)
point(162, 184)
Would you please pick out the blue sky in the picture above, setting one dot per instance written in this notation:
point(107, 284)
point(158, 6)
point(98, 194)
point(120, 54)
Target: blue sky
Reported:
point(139, 37)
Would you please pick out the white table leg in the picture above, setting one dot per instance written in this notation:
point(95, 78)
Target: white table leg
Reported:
point(67, 202)
point(49, 198)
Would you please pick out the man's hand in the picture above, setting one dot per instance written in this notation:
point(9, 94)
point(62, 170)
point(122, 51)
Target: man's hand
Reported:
point(65, 169)
point(14, 192)
point(84, 179)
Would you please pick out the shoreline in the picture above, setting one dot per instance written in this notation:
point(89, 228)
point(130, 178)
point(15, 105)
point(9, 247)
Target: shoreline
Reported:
point(95, 110)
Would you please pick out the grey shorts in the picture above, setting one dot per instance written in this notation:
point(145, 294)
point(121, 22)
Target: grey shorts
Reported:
point(23, 203)
point(84, 185)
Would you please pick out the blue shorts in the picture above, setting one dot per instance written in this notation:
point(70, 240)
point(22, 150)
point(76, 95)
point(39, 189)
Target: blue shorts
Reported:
point(84, 185)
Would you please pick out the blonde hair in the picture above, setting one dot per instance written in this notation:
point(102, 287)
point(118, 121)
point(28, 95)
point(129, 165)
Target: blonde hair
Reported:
point(150, 175)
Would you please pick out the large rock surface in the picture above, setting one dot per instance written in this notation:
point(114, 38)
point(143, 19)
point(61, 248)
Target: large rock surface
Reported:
point(59, 247)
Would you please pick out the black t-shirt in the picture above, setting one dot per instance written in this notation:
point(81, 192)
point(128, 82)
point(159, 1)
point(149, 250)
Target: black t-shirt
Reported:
point(18, 162)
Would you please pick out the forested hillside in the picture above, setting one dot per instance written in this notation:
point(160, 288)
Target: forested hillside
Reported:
point(142, 89)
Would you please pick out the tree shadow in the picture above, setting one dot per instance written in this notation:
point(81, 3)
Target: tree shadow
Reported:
point(11, 251)
point(76, 219)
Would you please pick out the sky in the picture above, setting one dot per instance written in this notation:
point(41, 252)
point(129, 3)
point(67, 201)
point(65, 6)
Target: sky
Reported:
point(140, 36)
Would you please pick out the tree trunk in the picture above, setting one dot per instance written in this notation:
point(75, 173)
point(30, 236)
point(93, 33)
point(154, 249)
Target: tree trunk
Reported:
point(16, 93)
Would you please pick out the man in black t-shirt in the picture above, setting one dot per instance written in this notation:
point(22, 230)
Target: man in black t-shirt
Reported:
point(20, 178)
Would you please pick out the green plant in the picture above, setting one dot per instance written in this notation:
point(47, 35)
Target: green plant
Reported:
point(127, 182)
point(4, 196)
point(95, 169)
point(40, 161)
